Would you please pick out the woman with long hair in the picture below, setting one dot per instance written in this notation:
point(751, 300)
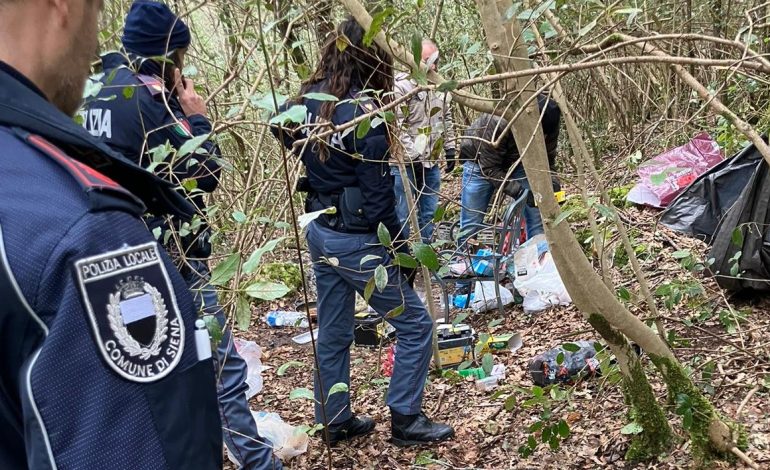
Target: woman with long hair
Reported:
point(350, 172)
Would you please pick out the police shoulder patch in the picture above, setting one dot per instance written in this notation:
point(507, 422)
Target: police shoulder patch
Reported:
point(132, 309)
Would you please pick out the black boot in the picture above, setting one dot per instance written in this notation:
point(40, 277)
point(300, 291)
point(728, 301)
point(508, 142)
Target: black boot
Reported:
point(414, 430)
point(353, 427)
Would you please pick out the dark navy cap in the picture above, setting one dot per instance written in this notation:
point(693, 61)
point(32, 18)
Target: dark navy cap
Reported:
point(152, 29)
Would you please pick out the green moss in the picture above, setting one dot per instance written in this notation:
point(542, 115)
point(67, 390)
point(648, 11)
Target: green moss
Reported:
point(575, 204)
point(618, 195)
point(656, 435)
point(701, 410)
point(287, 273)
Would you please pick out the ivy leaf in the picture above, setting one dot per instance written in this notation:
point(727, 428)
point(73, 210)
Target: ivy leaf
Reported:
point(631, 428)
point(320, 97)
point(295, 114)
point(487, 362)
point(571, 347)
point(405, 261)
point(416, 45)
point(191, 145)
point(251, 264)
point(384, 235)
point(284, 367)
point(338, 388)
point(425, 255)
point(225, 270)
point(380, 277)
point(299, 393)
point(368, 258)
point(563, 429)
point(560, 358)
point(369, 289)
point(363, 128)
point(395, 312)
point(267, 290)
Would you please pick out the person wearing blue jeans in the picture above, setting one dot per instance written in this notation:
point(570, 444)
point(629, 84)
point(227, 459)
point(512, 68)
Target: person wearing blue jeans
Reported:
point(349, 173)
point(425, 129)
point(425, 183)
point(239, 430)
point(486, 168)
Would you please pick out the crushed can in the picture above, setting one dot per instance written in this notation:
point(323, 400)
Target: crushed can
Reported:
point(455, 344)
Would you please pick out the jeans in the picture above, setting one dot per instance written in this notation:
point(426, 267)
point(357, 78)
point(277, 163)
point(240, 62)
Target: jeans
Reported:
point(337, 285)
point(477, 193)
point(425, 194)
point(238, 427)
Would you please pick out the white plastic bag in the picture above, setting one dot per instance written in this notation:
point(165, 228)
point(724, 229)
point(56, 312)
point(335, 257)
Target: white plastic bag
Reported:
point(537, 279)
point(287, 441)
point(252, 354)
point(484, 296)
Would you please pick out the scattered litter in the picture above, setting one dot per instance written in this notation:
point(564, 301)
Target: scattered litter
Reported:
point(252, 354)
point(537, 279)
point(484, 297)
point(575, 365)
point(487, 384)
point(305, 338)
point(279, 318)
point(287, 441)
point(507, 341)
point(662, 178)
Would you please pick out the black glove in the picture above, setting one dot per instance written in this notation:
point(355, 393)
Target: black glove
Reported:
point(556, 183)
point(512, 188)
point(451, 161)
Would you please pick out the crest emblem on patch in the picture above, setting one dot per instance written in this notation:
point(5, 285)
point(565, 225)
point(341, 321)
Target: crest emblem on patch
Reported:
point(132, 308)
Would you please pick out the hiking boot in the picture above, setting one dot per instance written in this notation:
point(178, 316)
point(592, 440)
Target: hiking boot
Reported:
point(353, 427)
point(414, 430)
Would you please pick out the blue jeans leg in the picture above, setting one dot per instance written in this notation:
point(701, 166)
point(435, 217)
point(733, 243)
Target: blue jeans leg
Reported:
point(531, 214)
point(428, 202)
point(475, 197)
point(402, 207)
point(238, 427)
point(336, 286)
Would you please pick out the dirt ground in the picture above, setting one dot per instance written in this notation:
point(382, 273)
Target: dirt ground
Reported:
point(488, 436)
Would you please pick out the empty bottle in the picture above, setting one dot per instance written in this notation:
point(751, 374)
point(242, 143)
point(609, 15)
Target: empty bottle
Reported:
point(278, 318)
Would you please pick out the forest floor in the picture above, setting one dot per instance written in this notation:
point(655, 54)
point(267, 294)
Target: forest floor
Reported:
point(729, 360)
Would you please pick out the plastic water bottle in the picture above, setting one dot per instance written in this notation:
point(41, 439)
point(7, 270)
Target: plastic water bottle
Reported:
point(279, 318)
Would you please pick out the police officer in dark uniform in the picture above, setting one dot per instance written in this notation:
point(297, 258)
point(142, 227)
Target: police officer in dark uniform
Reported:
point(351, 174)
point(145, 104)
point(100, 365)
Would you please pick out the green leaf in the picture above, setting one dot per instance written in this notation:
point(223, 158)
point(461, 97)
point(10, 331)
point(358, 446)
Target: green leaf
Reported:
point(214, 328)
point(464, 365)
point(267, 102)
point(494, 323)
point(190, 184)
point(239, 217)
point(553, 442)
point(624, 294)
point(337, 388)
point(737, 237)
point(395, 312)
point(369, 289)
point(425, 255)
point(560, 358)
point(225, 270)
point(295, 114)
point(363, 128)
point(380, 277)
point(563, 429)
point(243, 313)
point(284, 367)
point(587, 28)
point(563, 215)
point(510, 402)
point(604, 211)
point(191, 145)
point(368, 258)
point(487, 362)
point(460, 318)
point(320, 97)
point(253, 262)
point(680, 254)
point(416, 47)
point(537, 391)
point(305, 219)
point(631, 428)
point(438, 216)
point(384, 235)
point(299, 393)
point(687, 419)
point(376, 26)
point(571, 347)
point(537, 426)
point(267, 290)
point(447, 86)
point(405, 261)
point(128, 92)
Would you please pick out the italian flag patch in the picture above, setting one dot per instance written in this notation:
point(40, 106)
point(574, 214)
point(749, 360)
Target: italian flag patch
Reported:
point(183, 129)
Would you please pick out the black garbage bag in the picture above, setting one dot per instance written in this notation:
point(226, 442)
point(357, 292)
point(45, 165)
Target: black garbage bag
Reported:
point(729, 208)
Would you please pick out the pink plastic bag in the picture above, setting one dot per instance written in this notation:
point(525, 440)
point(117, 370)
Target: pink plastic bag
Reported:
point(662, 178)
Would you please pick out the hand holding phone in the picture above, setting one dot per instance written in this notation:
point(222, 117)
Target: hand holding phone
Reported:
point(192, 103)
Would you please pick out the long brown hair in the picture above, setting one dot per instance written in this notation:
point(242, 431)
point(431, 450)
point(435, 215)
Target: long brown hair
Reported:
point(345, 63)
